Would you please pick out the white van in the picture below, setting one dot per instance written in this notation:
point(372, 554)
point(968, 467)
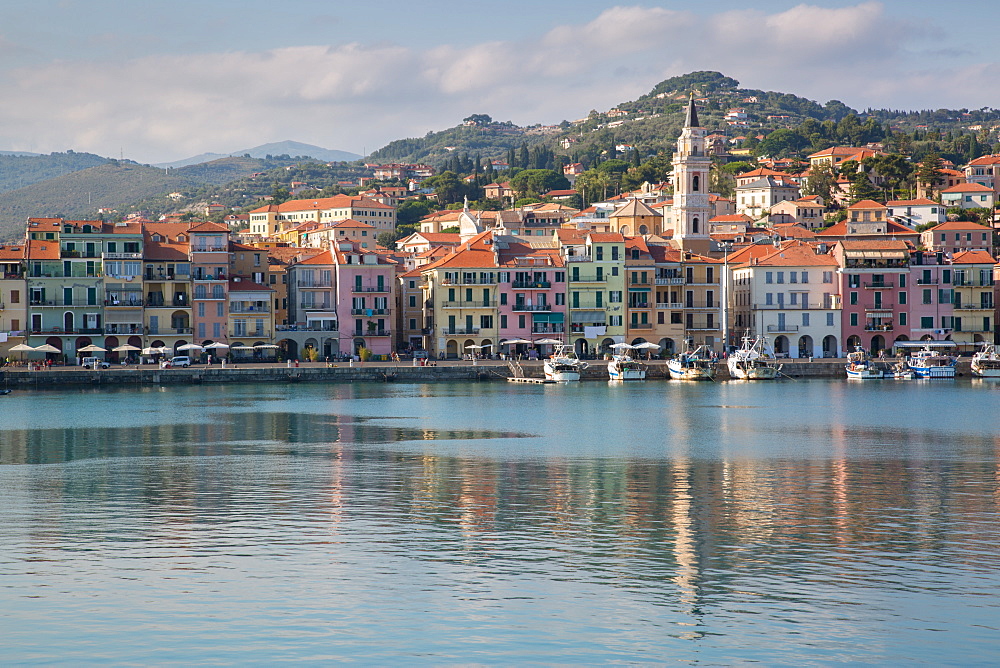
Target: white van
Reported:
point(182, 361)
point(94, 363)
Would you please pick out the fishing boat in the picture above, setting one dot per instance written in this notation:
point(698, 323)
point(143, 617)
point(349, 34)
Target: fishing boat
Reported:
point(929, 363)
point(986, 362)
point(695, 364)
point(754, 361)
point(623, 366)
point(861, 367)
point(563, 365)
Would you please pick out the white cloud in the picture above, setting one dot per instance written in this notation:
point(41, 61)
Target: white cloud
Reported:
point(357, 95)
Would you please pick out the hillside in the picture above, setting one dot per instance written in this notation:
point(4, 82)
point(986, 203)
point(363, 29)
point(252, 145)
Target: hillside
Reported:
point(488, 139)
point(80, 194)
point(265, 151)
point(20, 170)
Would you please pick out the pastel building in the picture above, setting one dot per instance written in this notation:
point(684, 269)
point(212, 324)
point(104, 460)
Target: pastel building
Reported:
point(931, 297)
point(531, 289)
point(595, 292)
point(972, 283)
point(365, 294)
point(874, 282)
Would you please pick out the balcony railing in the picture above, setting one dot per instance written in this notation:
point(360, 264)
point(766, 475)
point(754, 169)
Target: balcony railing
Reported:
point(122, 256)
point(927, 281)
point(63, 302)
point(878, 286)
point(383, 288)
point(885, 306)
point(480, 303)
point(372, 332)
point(705, 326)
point(120, 328)
point(467, 281)
point(310, 306)
point(578, 258)
point(128, 302)
point(676, 280)
point(460, 331)
point(60, 330)
point(209, 249)
point(640, 325)
point(547, 328)
point(315, 284)
point(169, 330)
point(369, 311)
point(532, 307)
point(973, 307)
point(787, 307)
point(210, 277)
point(588, 279)
point(702, 304)
point(878, 328)
point(782, 328)
point(235, 308)
point(669, 305)
point(531, 285)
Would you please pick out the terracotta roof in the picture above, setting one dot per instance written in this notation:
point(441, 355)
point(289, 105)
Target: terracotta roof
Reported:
point(43, 250)
point(968, 188)
point(958, 225)
point(321, 204)
point(731, 218)
point(243, 284)
point(10, 252)
point(882, 244)
point(634, 208)
point(350, 222)
point(840, 229)
point(322, 258)
point(973, 257)
point(793, 231)
point(795, 253)
point(986, 160)
point(208, 227)
point(920, 201)
point(866, 204)
point(606, 237)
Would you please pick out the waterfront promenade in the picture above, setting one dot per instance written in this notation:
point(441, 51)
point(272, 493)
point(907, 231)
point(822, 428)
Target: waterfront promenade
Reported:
point(445, 370)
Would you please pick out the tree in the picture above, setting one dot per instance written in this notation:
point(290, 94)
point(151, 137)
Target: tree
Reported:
point(389, 238)
point(782, 143)
point(411, 211)
point(929, 175)
point(537, 182)
point(821, 182)
point(447, 186)
point(478, 119)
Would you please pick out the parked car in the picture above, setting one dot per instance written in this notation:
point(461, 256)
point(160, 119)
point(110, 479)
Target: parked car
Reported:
point(182, 361)
point(94, 363)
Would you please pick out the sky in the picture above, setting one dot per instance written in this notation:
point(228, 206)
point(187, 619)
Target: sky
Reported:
point(162, 81)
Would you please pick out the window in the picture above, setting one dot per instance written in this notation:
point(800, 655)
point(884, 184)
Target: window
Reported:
point(599, 299)
point(599, 252)
point(927, 322)
point(769, 298)
point(201, 309)
point(560, 277)
point(614, 271)
point(827, 277)
point(854, 320)
point(768, 277)
point(503, 322)
point(486, 322)
point(675, 317)
point(902, 319)
point(805, 319)
point(902, 297)
point(614, 296)
point(413, 301)
point(781, 277)
point(614, 252)
point(503, 298)
point(793, 277)
point(413, 323)
point(219, 311)
point(829, 320)
point(15, 298)
point(927, 296)
point(615, 321)
point(854, 297)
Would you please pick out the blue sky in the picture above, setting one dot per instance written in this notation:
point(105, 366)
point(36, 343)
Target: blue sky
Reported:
point(164, 80)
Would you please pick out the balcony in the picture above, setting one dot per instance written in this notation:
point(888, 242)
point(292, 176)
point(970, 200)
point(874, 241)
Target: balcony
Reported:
point(209, 249)
point(532, 307)
point(369, 311)
point(706, 326)
point(878, 286)
point(466, 281)
point(879, 307)
point(481, 303)
point(578, 258)
point(128, 302)
point(358, 288)
point(670, 305)
point(640, 325)
point(180, 301)
point(122, 256)
point(547, 328)
point(162, 277)
point(236, 308)
point(782, 328)
point(63, 302)
point(315, 284)
point(674, 280)
point(79, 254)
point(60, 330)
point(124, 328)
point(878, 328)
point(973, 307)
point(588, 279)
point(372, 332)
point(701, 304)
point(427, 331)
point(210, 277)
point(787, 307)
point(531, 285)
point(927, 281)
point(463, 331)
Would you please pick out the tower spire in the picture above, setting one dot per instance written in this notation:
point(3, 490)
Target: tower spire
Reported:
point(691, 120)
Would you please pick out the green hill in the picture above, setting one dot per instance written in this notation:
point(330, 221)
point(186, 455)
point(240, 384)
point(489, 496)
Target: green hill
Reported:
point(20, 171)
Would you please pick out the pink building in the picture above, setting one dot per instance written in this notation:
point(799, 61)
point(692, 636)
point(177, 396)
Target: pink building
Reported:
point(365, 290)
point(874, 280)
point(532, 293)
point(930, 297)
point(209, 254)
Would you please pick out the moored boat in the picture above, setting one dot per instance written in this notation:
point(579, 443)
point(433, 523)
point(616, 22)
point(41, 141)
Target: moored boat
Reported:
point(563, 365)
point(928, 363)
point(861, 367)
point(623, 366)
point(986, 362)
point(754, 361)
point(695, 364)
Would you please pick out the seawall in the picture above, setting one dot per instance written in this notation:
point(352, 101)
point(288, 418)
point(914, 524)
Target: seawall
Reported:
point(20, 378)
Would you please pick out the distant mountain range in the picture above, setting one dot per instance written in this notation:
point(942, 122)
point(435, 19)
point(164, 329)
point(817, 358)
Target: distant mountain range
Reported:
point(290, 148)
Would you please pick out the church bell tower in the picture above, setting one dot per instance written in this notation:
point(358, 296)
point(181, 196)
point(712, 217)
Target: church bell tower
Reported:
point(691, 167)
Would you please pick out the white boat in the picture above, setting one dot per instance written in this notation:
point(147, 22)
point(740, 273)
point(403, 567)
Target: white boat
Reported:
point(563, 365)
point(696, 364)
point(861, 367)
point(623, 366)
point(986, 362)
point(754, 361)
point(928, 363)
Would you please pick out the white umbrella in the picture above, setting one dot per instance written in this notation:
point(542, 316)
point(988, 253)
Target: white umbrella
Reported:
point(647, 346)
point(190, 346)
point(514, 341)
point(474, 347)
point(125, 348)
point(623, 346)
point(550, 342)
point(151, 351)
point(22, 348)
point(265, 345)
point(216, 345)
point(92, 349)
point(242, 348)
point(47, 348)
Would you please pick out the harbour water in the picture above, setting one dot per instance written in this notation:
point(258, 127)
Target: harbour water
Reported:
point(788, 523)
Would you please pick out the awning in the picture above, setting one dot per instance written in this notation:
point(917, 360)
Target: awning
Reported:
point(587, 316)
point(548, 317)
point(640, 290)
